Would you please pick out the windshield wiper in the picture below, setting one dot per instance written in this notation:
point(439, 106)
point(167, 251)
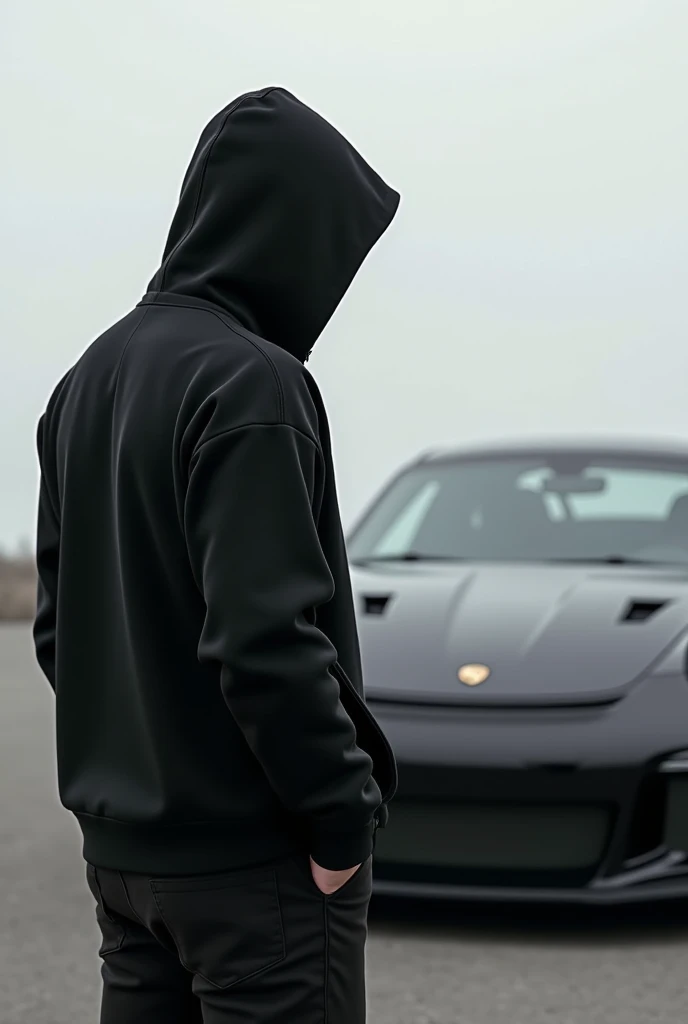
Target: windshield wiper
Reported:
point(608, 560)
point(407, 556)
point(416, 556)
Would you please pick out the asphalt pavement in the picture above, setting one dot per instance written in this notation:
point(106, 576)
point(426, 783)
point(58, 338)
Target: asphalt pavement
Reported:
point(426, 964)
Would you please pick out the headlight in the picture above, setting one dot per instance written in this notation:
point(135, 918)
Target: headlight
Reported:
point(675, 764)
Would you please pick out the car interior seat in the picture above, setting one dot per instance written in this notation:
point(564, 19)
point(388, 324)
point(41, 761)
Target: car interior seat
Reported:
point(676, 526)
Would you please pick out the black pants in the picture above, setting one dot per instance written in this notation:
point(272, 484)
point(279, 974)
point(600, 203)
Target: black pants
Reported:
point(252, 946)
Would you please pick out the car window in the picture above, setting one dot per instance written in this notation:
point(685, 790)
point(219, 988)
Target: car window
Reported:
point(546, 508)
point(400, 535)
point(634, 493)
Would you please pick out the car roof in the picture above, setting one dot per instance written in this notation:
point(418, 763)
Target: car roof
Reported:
point(609, 447)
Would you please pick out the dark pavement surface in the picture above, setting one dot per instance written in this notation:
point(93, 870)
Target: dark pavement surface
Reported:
point(427, 964)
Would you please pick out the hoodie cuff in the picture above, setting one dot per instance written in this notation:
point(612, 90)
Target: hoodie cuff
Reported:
point(337, 851)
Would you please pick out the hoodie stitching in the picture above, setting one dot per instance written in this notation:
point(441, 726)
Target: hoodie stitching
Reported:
point(266, 357)
point(206, 160)
point(204, 168)
point(124, 352)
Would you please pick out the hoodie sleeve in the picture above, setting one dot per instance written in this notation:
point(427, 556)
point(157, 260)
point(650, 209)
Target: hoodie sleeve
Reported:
point(47, 561)
point(254, 547)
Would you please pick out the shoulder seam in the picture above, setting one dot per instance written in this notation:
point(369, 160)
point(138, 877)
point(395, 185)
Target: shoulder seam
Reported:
point(266, 357)
point(247, 426)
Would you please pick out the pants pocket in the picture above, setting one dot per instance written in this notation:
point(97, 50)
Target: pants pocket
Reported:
point(359, 885)
point(227, 928)
point(111, 929)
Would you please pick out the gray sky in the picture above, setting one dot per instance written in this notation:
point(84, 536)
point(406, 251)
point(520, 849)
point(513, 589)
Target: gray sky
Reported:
point(533, 281)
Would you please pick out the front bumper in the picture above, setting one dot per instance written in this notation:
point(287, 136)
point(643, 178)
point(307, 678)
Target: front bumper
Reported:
point(568, 805)
point(589, 895)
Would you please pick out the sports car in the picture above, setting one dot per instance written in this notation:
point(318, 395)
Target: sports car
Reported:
point(523, 613)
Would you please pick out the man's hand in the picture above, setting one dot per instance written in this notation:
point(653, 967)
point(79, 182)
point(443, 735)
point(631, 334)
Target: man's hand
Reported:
point(329, 881)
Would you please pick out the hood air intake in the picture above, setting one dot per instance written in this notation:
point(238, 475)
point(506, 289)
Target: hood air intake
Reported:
point(641, 611)
point(376, 604)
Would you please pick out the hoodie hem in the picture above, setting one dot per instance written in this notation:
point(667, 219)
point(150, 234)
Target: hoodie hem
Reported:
point(337, 851)
point(181, 849)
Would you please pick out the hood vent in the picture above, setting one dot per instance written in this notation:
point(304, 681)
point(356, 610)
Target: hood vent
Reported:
point(641, 611)
point(375, 604)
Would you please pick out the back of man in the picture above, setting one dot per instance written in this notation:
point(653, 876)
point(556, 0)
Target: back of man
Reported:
point(195, 615)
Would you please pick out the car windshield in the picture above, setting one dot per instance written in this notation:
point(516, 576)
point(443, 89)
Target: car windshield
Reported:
point(572, 506)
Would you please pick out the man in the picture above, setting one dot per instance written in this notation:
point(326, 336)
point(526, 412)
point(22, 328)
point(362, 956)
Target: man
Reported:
point(195, 614)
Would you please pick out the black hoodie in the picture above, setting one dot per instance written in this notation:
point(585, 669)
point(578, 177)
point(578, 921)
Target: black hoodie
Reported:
point(195, 614)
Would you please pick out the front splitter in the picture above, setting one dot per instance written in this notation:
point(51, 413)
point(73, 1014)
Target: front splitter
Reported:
point(601, 895)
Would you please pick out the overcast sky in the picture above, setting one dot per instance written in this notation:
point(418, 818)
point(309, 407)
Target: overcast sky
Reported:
point(533, 281)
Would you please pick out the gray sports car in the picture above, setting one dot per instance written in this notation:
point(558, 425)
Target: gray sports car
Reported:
point(524, 628)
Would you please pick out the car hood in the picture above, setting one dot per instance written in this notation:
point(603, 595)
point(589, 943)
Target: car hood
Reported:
point(550, 634)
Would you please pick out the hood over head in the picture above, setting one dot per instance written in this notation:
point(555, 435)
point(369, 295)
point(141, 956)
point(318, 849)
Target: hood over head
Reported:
point(276, 214)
